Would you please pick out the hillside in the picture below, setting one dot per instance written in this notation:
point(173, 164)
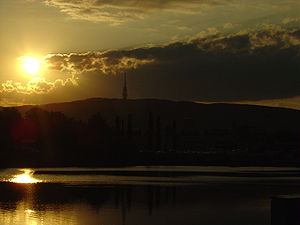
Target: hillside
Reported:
point(187, 114)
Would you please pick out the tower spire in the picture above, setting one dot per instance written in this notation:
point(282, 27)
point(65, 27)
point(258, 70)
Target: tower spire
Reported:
point(125, 94)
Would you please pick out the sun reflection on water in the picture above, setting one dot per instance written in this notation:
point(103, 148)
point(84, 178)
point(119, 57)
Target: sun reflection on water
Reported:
point(29, 211)
point(25, 177)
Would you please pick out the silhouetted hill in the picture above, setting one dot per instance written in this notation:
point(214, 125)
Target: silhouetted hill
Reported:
point(102, 132)
point(187, 114)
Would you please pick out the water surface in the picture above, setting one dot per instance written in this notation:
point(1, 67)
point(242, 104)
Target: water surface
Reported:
point(143, 195)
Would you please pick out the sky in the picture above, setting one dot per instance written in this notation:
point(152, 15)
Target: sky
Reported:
point(198, 50)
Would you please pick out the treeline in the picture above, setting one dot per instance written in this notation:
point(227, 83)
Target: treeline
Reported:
point(40, 138)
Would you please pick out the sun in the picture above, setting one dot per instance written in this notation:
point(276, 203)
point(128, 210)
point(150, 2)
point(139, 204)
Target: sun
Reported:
point(30, 65)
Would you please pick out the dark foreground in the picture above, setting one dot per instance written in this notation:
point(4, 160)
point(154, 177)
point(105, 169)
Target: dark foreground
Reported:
point(114, 133)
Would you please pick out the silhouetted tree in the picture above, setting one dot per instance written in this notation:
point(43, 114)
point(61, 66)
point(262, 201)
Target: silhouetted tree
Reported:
point(129, 127)
point(122, 127)
point(57, 139)
point(174, 135)
point(150, 132)
point(118, 125)
point(9, 118)
point(158, 134)
point(99, 139)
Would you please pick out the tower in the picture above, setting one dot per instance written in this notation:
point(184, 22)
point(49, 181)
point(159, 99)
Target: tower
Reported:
point(125, 94)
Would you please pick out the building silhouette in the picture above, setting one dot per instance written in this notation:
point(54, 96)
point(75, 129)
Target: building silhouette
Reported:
point(125, 93)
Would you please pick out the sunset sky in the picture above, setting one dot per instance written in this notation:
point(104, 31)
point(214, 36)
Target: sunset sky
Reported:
point(200, 50)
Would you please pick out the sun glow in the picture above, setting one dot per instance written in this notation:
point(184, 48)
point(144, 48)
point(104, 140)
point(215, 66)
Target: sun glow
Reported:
point(30, 65)
point(25, 178)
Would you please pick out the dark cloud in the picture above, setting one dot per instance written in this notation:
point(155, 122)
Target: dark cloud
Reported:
point(249, 65)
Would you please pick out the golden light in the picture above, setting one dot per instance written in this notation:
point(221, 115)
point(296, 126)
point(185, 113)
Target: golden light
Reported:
point(30, 65)
point(25, 178)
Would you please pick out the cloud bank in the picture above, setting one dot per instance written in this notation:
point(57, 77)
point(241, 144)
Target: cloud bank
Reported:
point(249, 65)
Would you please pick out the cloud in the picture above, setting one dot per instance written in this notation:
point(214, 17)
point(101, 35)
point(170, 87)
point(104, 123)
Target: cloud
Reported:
point(211, 31)
point(249, 40)
point(34, 86)
point(230, 25)
point(184, 28)
point(118, 11)
point(95, 61)
point(248, 65)
point(290, 20)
